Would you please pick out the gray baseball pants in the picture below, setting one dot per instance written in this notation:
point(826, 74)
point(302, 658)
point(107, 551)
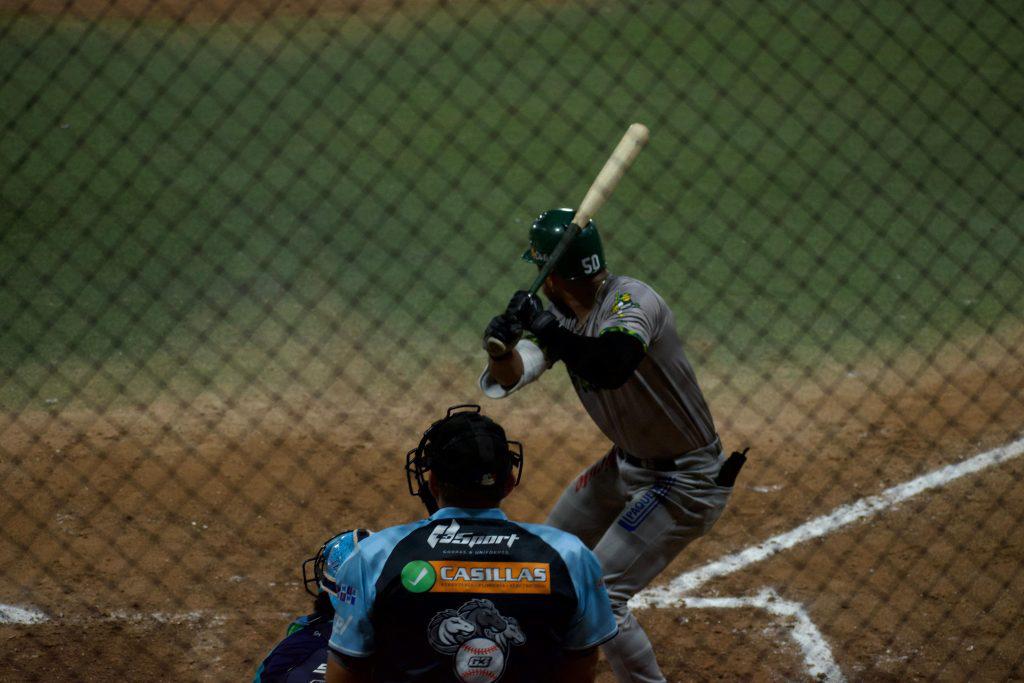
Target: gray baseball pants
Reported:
point(636, 521)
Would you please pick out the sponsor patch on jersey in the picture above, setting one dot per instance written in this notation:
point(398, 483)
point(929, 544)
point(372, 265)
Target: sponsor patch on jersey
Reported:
point(518, 578)
point(450, 534)
point(631, 519)
point(346, 594)
point(340, 626)
point(418, 576)
point(623, 302)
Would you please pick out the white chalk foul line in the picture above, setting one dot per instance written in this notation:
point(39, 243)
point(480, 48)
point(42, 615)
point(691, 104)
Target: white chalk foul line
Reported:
point(818, 659)
point(13, 614)
point(671, 595)
point(202, 617)
point(25, 615)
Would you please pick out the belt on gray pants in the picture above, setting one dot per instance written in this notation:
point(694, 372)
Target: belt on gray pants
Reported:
point(669, 464)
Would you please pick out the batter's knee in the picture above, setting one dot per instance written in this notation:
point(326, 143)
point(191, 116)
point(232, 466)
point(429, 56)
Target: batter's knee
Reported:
point(624, 618)
point(620, 607)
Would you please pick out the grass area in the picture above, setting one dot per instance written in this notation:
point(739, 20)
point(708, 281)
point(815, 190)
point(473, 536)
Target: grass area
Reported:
point(308, 200)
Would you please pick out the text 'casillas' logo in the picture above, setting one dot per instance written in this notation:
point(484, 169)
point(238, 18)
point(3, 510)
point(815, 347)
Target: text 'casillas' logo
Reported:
point(454, 576)
point(448, 534)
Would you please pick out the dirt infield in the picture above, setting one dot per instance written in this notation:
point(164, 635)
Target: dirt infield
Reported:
point(168, 538)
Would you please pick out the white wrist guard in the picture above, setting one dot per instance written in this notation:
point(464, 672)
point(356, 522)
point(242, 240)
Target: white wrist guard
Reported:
point(534, 365)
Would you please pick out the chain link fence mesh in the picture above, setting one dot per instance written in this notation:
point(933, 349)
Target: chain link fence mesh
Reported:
point(248, 249)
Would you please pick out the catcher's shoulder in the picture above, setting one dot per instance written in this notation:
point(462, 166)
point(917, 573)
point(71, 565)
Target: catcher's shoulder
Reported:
point(566, 544)
point(385, 540)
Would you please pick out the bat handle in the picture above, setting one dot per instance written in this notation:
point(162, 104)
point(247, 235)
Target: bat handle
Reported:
point(496, 347)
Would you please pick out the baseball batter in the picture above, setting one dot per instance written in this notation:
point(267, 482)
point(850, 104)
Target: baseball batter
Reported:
point(664, 482)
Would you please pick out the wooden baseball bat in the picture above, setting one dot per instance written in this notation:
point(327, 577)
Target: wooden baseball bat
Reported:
point(604, 184)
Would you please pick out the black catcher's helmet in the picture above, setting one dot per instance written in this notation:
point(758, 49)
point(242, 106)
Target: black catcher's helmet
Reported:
point(467, 450)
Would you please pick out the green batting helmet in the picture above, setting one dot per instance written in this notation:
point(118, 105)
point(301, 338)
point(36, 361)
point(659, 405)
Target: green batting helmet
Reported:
point(583, 258)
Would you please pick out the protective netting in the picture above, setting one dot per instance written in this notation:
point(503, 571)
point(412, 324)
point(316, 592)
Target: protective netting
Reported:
point(248, 250)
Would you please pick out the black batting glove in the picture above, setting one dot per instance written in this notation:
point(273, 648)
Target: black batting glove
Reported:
point(524, 307)
point(506, 329)
point(545, 327)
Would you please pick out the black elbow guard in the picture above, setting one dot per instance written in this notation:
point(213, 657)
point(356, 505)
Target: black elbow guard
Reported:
point(620, 355)
point(606, 362)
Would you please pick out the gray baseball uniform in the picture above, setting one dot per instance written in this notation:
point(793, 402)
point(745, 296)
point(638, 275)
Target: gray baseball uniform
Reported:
point(654, 491)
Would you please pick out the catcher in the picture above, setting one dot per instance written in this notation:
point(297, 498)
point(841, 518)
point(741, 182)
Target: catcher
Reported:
point(302, 656)
point(665, 480)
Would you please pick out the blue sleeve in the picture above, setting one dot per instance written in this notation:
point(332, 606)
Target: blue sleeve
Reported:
point(353, 631)
point(355, 580)
point(594, 622)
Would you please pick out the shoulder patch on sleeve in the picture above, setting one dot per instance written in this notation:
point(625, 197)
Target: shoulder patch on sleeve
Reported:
point(623, 302)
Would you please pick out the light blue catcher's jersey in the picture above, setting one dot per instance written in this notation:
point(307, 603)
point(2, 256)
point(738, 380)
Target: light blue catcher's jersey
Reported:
point(420, 593)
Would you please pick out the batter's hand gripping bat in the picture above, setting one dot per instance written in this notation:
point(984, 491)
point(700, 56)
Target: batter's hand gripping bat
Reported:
point(602, 187)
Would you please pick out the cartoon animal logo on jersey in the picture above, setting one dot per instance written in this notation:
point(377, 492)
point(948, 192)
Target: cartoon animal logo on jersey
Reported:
point(478, 636)
point(623, 302)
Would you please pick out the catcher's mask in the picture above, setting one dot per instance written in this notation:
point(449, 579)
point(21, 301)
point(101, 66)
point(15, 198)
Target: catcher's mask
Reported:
point(467, 450)
point(313, 578)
